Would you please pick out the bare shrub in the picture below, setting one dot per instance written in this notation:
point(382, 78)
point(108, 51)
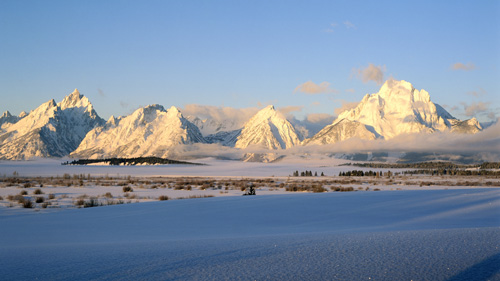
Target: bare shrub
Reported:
point(52, 196)
point(342, 189)
point(80, 202)
point(24, 192)
point(92, 202)
point(37, 191)
point(108, 195)
point(27, 204)
point(127, 189)
point(39, 199)
point(163, 197)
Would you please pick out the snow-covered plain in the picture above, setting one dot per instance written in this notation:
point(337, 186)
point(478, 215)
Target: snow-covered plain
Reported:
point(437, 234)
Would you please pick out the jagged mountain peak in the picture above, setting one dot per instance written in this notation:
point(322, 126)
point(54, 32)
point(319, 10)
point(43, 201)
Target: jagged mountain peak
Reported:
point(6, 114)
point(50, 130)
point(148, 131)
point(7, 119)
point(174, 112)
point(269, 129)
point(150, 109)
point(75, 99)
point(266, 112)
point(403, 89)
point(398, 108)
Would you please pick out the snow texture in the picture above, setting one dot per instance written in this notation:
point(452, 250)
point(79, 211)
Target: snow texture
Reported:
point(401, 235)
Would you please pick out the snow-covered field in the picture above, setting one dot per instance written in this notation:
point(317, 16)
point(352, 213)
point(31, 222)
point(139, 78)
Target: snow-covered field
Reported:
point(403, 232)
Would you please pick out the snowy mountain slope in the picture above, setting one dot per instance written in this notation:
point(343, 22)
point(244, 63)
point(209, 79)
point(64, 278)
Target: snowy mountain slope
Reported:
point(470, 126)
point(341, 130)
point(7, 119)
point(398, 108)
point(225, 138)
point(268, 129)
point(211, 126)
point(50, 130)
point(149, 131)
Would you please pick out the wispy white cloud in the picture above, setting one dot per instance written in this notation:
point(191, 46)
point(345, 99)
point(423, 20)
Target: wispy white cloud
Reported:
point(292, 108)
point(324, 118)
point(333, 26)
point(480, 92)
point(312, 123)
point(101, 93)
point(461, 66)
point(350, 90)
point(475, 108)
point(345, 106)
point(370, 73)
point(349, 24)
point(312, 88)
point(220, 113)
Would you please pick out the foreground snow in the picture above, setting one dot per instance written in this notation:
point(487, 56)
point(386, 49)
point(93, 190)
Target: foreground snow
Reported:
point(403, 235)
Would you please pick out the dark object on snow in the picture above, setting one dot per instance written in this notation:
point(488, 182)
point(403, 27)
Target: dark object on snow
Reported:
point(251, 191)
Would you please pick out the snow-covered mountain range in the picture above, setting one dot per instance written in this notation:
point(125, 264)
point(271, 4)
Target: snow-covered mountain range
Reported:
point(150, 130)
point(72, 127)
point(398, 108)
point(51, 130)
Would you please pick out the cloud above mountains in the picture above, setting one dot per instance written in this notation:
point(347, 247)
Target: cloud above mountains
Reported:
point(311, 88)
point(370, 73)
point(220, 113)
point(483, 146)
point(346, 105)
point(461, 66)
point(475, 108)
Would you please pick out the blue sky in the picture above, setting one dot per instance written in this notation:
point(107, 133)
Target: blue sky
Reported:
point(126, 54)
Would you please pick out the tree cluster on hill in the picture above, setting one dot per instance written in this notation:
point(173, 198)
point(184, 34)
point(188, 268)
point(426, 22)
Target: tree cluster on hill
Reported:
point(490, 165)
point(356, 173)
point(453, 172)
point(427, 165)
point(307, 174)
point(129, 161)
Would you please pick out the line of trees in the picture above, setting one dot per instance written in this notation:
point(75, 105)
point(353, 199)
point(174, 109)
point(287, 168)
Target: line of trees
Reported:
point(453, 172)
point(427, 165)
point(129, 161)
point(356, 173)
point(307, 174)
